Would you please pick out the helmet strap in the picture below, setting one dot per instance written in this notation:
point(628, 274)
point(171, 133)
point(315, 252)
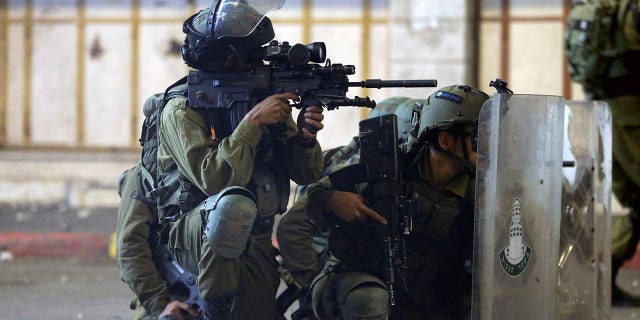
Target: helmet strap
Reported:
point(468, 167)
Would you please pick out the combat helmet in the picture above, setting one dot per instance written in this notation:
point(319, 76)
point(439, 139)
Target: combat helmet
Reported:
point(451, 105)
point(227, 27)
point(403, 108)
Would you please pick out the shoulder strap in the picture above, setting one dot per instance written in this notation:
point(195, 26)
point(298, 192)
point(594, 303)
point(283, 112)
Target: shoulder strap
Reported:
point(170, 93)
point(147, 178)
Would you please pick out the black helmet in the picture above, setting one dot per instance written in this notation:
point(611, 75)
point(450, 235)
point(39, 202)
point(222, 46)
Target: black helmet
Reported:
point(227, 27)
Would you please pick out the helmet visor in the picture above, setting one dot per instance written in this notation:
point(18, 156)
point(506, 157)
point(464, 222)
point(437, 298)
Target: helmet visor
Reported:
point(238, 18)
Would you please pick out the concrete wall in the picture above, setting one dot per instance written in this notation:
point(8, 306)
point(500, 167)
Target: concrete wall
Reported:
point(83, 93)
point(80, 91)
point(60, 191)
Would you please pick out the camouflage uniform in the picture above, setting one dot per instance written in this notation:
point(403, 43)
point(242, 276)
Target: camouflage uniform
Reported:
point(248, 157)
point(626, 176)
point(623, 97)
point(438, 284)
point(438, 266)
point(300, 239)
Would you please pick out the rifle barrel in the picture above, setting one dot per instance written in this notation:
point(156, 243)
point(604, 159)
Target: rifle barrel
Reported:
point(377, 83)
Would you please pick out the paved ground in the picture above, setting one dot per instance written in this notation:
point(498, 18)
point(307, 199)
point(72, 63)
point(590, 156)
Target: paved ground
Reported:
point(62, 289)
point(68, 289)
point(629, 280)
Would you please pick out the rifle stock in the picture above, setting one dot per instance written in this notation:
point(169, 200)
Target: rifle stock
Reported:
point(180, 283)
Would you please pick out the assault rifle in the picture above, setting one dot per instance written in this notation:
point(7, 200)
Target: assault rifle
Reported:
point(387, 194)
point(230, 95)
point(180, 283)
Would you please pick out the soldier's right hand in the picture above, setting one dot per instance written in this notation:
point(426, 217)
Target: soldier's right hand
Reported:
point(178, 310)
point(271, 110)
point(349, 206)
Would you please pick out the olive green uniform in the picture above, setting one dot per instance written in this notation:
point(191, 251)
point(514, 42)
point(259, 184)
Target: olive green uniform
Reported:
point(623, 96)
point(301, 240)
point(626, 173)
point(249, 157)
point(438, 281)
point(133, 253)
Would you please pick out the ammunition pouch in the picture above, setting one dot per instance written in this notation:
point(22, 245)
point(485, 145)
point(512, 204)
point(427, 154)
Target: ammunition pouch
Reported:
point(190, 196)
point(270, 188)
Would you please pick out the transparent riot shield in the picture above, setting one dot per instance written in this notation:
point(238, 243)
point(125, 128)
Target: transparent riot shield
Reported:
point(584, 279)
point(519, 183)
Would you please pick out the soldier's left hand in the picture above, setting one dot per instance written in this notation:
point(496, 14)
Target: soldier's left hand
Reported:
point(310, 118)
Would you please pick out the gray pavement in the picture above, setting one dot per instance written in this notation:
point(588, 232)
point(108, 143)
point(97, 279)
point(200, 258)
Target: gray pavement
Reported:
point(69, 289)
point(62, 289)
point(629, 281)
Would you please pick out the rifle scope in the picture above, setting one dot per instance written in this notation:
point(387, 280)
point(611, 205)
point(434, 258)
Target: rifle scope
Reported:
point(296, 55)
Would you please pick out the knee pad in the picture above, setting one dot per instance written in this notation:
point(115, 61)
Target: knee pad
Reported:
point(352, 295)
point(229, 218)
point(366, 301)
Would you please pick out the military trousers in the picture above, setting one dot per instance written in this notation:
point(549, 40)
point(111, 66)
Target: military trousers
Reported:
point(252, 278)
point(301, 244)
point(625, 129)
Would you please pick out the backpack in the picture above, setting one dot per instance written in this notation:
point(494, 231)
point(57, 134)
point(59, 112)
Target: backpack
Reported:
point(594, 41)
point(147, 189)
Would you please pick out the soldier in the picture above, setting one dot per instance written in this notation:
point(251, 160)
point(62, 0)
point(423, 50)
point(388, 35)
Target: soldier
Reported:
point(623, 97)
point(134, 256)
point(602, 46)
point(220, 187)
point(302, 242)
point(440, 169)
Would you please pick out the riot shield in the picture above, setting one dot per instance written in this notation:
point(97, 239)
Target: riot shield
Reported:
point(519, 183)
point(584, 279)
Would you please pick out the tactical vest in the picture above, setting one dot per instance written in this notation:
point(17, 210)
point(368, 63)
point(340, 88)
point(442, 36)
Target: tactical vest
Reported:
point(444, 218)
point(440, 249)
point(269, 183)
